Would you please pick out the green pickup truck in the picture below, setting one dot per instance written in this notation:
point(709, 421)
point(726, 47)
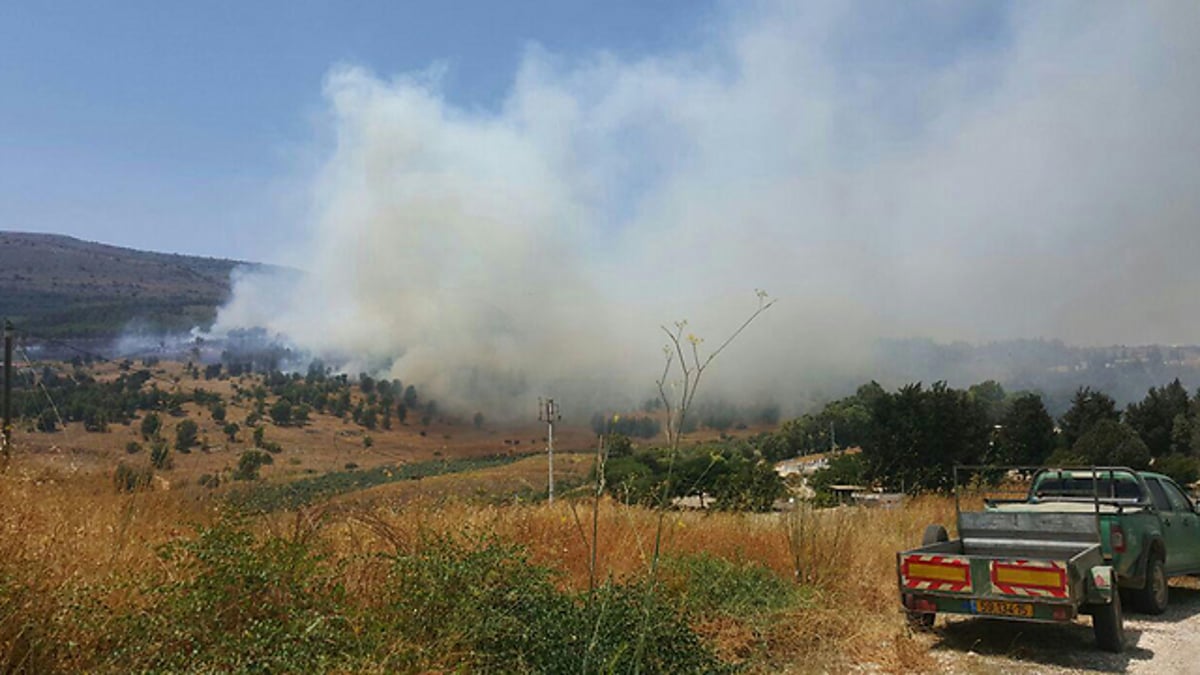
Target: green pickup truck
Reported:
point(1061, 551)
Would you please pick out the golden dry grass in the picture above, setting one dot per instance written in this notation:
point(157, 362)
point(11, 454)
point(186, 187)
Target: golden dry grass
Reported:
point(57, 530)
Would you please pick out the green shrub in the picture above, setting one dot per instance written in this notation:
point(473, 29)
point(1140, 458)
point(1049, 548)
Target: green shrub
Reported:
point(133, 447)
point(706, 584)
point(128, 478)
point(1184, 469)
point(487, 600)
point(239, 604)
point(160, 454)
point(185, 435)
point(249, 464)
point(150, 425)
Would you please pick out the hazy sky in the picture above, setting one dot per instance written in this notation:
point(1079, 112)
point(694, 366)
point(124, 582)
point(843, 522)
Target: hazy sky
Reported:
point(188, 126)
point(520, 188)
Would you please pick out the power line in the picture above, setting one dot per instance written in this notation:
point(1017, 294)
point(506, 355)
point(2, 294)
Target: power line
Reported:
point(41, 383)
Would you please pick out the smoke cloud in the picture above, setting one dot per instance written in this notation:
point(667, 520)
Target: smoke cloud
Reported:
point(958, 172)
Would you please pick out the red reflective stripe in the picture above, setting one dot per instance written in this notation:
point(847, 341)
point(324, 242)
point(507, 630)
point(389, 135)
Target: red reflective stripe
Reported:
point(908, 580)
point(1057, 590)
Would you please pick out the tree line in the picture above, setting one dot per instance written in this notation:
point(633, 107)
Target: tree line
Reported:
point(911, 438)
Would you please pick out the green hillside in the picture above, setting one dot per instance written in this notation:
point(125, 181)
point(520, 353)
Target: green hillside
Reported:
point(59, 286)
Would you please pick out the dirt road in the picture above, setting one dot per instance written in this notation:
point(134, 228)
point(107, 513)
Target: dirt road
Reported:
point(1167, 644)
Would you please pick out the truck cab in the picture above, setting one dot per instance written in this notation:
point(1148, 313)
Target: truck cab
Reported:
point(1150, 528)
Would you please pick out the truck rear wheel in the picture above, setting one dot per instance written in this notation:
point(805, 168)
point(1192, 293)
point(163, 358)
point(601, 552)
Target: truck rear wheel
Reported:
point(1109, 625)
point(1153, 597)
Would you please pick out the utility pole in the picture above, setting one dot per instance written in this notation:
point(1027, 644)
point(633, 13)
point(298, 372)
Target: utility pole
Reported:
point(6, 430)
point(548, 413)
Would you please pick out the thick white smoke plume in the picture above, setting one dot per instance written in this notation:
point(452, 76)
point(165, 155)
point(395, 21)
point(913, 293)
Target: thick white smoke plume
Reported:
point(883, 171)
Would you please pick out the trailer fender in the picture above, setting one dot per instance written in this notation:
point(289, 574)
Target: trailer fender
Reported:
point(1101, 585)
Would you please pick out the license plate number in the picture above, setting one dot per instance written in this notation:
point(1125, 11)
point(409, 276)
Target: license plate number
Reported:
point(1002, 608)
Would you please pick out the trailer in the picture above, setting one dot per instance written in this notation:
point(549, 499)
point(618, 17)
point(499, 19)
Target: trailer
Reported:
point(1035, 564)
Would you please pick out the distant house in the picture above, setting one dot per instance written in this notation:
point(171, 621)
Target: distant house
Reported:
point(844, 494)
point(807, 465)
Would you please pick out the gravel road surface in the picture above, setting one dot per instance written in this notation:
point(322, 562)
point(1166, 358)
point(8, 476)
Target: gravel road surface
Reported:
point(1166, 645)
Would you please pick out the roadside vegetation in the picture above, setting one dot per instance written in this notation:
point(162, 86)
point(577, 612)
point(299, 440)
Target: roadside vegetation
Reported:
point(96, 580)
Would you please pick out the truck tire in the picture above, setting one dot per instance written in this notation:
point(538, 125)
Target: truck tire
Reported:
point(1152, 598)
point(934, 534)
point(923, 621)
point(1109, 625)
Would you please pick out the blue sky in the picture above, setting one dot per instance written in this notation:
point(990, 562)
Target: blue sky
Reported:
point(192, 127)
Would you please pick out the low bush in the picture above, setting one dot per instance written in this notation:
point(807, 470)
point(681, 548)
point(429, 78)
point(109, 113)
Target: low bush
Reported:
point(236, 602)
point(250, 462)
point(706, 584)
point(128, 478)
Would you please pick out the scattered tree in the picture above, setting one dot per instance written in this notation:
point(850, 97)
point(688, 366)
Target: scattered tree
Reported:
point(1154, 417)
point(151, 424)
point(1026, 434)
point(250, 462)
point(281, 413)
point(185, 435)
point(1111, 443)
point(1087, 408)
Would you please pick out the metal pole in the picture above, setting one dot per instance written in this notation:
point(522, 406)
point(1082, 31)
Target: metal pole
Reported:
point(6, 430)
point(550, 449)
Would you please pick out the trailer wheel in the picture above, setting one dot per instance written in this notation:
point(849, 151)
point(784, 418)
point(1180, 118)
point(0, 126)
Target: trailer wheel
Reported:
point(1109, 625)
point(934, 534)
point(923, 621)
point(1153, 597)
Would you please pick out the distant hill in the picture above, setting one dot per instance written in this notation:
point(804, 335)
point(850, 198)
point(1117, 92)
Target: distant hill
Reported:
point(57, 286)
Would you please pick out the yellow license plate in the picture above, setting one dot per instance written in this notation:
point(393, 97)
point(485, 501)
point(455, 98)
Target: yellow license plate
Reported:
point(1002, 608)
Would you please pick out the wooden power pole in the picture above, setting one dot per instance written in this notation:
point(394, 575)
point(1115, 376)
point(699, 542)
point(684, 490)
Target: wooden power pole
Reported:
point(6, 430)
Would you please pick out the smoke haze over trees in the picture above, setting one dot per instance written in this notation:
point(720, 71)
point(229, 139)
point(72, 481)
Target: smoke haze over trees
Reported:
point(874, 169)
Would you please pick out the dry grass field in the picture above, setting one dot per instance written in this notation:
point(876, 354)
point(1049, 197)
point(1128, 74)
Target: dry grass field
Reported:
point(169, 578)
point(68, 542)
